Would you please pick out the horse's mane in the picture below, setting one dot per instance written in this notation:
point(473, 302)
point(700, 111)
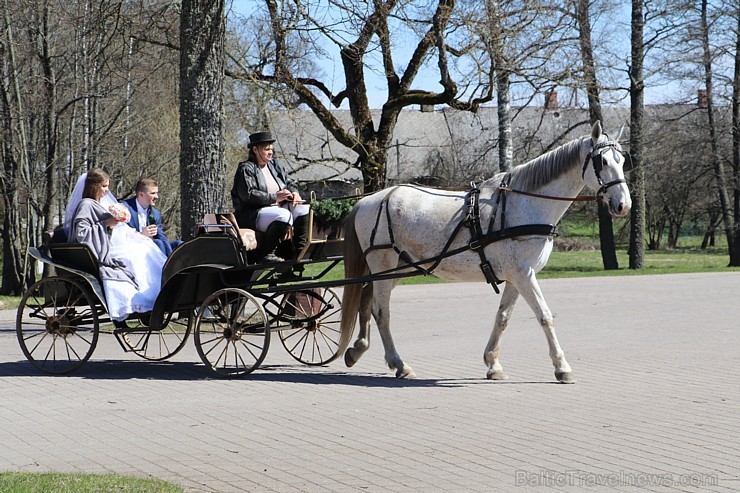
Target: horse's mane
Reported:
point(545, 168)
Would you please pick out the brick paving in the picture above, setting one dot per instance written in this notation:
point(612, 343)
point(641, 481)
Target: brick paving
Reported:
point(655, 407)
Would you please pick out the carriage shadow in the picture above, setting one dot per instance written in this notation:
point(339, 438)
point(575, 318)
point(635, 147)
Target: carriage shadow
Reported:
point(190, 371)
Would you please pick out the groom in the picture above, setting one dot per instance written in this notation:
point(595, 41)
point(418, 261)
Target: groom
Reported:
point(146, 218)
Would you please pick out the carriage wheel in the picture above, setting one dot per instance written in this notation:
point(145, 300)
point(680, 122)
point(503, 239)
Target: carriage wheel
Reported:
point(311, 332)
point(231, 332)
point(57, 325)
point(158, 345)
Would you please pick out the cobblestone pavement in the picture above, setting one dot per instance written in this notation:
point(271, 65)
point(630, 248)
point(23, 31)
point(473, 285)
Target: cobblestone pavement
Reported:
point(655, 407)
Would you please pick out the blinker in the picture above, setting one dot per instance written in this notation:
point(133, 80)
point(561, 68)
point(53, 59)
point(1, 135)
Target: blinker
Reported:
point(628, 165)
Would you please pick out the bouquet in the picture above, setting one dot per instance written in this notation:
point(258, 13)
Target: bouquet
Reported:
point(120, 212)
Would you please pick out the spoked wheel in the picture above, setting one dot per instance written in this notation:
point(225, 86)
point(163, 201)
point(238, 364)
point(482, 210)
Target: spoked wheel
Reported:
point(310, 329)
point(57, 325)
point(232, 334)
point(158, 345)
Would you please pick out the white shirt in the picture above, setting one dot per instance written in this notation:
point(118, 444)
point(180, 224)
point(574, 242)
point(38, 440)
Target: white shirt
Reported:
point(141, 213)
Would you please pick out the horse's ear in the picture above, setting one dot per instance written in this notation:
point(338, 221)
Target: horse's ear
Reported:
point(619, 135)
point(596, 131)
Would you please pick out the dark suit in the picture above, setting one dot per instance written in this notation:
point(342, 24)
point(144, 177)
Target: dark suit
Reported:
point(160, 239)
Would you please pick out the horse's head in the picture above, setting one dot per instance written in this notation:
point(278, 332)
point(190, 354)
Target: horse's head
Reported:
point(603, 170)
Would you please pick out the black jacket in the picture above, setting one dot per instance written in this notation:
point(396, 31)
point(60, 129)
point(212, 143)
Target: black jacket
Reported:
point(249, 192)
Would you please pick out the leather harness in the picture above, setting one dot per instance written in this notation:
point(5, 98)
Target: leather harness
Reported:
point(479, 240)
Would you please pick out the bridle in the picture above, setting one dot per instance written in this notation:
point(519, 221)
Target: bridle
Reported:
point(595, 156)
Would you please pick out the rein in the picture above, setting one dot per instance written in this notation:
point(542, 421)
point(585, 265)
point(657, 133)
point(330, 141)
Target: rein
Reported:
point(578, 198)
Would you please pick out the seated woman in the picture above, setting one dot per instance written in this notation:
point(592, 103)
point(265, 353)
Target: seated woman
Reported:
point(266, 199)
point(130, 263)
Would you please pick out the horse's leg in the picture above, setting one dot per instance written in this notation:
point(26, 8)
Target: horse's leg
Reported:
point(362, 343)
point(530, 291)
point(505, 309)
point(381, 313)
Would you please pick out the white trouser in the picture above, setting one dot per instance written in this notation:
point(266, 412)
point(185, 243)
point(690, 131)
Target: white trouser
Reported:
point(286, 213)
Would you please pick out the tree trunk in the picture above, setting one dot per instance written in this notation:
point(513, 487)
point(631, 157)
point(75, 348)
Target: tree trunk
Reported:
point(719, 169)
point(50, 170)
point(735, 253)
point(606, 229)
point(12, 274)
point(505, 140)
point(637, 175)
point(372, 158)
point(202, 167)
point(503, 85)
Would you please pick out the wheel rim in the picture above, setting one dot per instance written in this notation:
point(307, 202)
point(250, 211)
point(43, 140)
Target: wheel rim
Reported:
point(57, 325)
point(312, 325)
point(231, 334)
point(159, 345)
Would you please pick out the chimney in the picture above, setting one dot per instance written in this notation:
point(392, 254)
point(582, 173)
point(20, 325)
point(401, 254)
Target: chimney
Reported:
point(427, 108)
point(551, 100)
point(702, 101)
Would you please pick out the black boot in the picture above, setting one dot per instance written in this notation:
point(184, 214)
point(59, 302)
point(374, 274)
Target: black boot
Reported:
point(300, 233)
point(272, 238)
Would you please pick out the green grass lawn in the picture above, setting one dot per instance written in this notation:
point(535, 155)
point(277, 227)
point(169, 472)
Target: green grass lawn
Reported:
point(589, 263)
point(25, 482)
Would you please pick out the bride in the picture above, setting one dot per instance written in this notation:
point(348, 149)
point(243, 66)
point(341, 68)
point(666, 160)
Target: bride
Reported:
point(130, 263)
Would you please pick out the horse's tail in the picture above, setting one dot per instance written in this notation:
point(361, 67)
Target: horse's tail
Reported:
point(355, 266)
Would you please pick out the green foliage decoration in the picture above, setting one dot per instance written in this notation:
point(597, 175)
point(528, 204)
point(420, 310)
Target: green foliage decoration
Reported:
point(330, 211)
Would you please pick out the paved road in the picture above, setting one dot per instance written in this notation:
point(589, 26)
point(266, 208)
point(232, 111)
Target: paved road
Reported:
point(655, 407)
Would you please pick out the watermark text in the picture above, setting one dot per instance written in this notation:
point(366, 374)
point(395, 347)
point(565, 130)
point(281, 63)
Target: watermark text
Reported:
point(578, 478)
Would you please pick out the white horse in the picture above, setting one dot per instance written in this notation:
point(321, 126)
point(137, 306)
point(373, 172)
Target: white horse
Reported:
point(410, 228)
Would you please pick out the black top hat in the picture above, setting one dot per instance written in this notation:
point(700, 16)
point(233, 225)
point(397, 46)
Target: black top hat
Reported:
point(260, 138)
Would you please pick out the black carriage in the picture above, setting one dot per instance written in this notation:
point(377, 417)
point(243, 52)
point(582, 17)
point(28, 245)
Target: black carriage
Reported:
point(209, 287)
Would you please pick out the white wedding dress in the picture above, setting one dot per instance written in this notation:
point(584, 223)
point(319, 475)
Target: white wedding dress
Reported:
point(140, 254)
point(145, 260)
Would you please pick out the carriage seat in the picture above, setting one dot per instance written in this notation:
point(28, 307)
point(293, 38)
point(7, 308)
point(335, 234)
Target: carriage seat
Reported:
point(75, 255)
point(226, 222)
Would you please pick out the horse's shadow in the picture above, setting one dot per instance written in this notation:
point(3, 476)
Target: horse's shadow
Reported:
point(189, 371)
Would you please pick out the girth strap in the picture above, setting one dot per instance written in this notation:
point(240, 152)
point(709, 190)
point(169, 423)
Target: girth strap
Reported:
point(478, 240)
point(476, 233)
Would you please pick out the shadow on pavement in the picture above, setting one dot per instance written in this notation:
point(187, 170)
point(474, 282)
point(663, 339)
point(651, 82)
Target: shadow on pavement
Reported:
point(179, 371)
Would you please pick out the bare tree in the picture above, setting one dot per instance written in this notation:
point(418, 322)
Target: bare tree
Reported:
point(363, 36)
point(712, 126)
point(520, 49)
point(77, 93)
point(583, 19)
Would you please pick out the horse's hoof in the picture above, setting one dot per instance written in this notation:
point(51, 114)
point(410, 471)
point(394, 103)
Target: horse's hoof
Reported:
point(565, 376)
point(349, 360)
point(405, 372)
point(496, 375)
